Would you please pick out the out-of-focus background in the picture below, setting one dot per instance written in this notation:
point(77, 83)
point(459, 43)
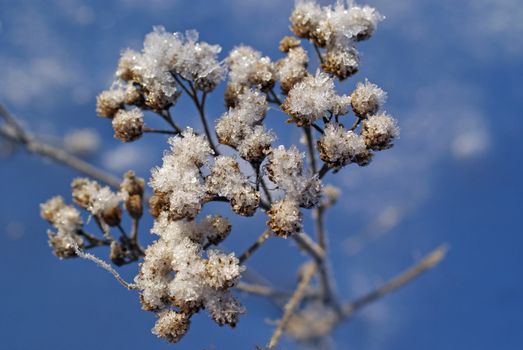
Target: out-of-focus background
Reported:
point(453, 71)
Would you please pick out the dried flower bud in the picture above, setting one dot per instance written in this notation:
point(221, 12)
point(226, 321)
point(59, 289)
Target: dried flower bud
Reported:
point(112, 216)
point(82, 190)
point(109, 102)
point(285, 218)
point(133, 95)
point(305, 19)
point(117, 254)
point(288, 42)
point(367, 99)
point(158, 203)
point(293, 68)
point(132, 184)
point(339, 147)
point(222, 270)
point(232, 92)
point(217, 228)
point(249, 68)
point(128, 125)
point(341, 61)
point(378, 131)
point(128, 60)
point(50, 209)
point(171, 326)
point(64, 245)
point(134, 206)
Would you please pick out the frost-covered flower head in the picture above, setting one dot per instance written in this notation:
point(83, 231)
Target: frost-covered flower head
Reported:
point(292, 68)
point(339, 147)
point(379, 131)
point(128, 124)
point(367, 99)
point(310, 99)
point(179, 177)
point(248, 68)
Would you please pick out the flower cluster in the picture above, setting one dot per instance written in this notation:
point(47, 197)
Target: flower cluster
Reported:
point(147, 79)
point(183, 271)
point(335, 28)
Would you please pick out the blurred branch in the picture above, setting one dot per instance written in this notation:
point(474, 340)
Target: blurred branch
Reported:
point(14, 132)
point(306, 273)
point(428, 262)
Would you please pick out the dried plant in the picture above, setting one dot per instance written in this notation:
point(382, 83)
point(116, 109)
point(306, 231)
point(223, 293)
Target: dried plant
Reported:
point(184, 271)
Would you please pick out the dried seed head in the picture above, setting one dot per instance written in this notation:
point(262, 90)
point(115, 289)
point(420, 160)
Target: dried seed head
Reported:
point(288, 42)
point(171, 326)
point(132, 184)
point(379, 131)
point(285, 218)
point(217, 228)
point(128, 125)
point(158, 203)
point(367, 99)
point(109, 102)
point(82, 191)
point(293, 68)
point(222, 270)
point(50, 209)
point(126, 64)
point(339, 147)
point(117, 254)
point(341, 61)
point(133, 95)
point(134, 206)
point(63, 246)
point(112, 216)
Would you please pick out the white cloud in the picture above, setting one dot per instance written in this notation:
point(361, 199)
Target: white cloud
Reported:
point(126, 156)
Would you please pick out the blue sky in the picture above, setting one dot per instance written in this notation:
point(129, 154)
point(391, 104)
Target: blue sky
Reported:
point(453, 73)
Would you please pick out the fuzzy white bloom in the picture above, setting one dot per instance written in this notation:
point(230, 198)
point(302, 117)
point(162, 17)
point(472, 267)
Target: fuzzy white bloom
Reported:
point(128, 124)
point(224, 309)
point(342, 60)
point(339, 147)
point(310, 99)
point(305, 18)
point(378, 131)
point(247, 67)
point(367, 99)
point(222, 270)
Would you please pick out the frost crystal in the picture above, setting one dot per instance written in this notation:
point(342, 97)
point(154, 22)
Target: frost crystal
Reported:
point(248, 68)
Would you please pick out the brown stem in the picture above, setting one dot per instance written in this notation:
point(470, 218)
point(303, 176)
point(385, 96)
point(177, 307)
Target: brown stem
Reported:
point(157, 131)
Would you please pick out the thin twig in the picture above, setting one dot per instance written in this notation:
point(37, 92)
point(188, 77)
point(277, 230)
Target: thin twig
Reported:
point(428, 262)
point(323, 171)
point(166, 115)
point(318, 128)
point(307, 244)
point(310, 147)
point(263, 237)
point(318, 53)
point(306, 273)
point(275, 97)
point(356, 123)
point(157, 131)
point(103, 265)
